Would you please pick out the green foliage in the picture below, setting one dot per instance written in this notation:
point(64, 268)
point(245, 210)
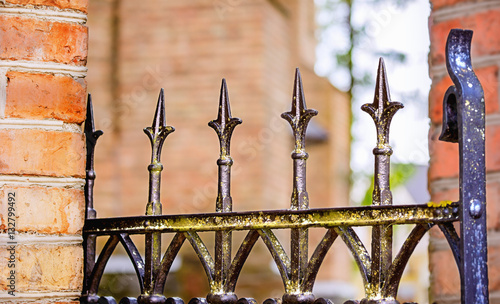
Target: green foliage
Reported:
point(400, 174)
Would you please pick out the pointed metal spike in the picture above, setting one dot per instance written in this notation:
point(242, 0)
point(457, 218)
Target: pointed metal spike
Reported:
point(224, 114)
point(157, 134)
point(89, 121)
point(298, 117)
point(299, 101)
point(160, 117)
point(225, 123)
point(91, 134)
point(159, 129)
point(382, 108)
point(382, 94)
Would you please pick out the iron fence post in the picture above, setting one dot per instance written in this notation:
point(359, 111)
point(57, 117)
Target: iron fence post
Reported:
point(467, 116)
point(299, 117)
point(224, 126)
point(89, 242)
point(381, 110)
point(157, 134)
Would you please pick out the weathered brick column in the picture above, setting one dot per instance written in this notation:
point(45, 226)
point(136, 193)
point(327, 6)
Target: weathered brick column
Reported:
point(43, 52)
point(484, 18)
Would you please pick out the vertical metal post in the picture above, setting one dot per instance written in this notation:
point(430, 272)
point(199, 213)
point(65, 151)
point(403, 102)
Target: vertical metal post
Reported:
point(157, 134)
point(381, 110)
point(89, 242)
point(224, 126)
point(299, 117)
point(469, 97)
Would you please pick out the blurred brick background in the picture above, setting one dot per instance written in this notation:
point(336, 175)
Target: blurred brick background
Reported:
point(187, 47)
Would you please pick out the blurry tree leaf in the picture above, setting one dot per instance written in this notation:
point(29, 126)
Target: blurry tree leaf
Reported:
point(400, 174)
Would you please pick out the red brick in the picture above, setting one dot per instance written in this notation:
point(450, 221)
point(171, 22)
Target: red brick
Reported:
point(42, 96)
point(485, 41)
point(444, 156)
point(436, 96)
point(488, 77)
point(32, 39)
point(445, 279)
point(80, 5)
point(37, 152)
point(494, 267)
point(45, 210)
point(492, 148)
point(44, 267)
point(437, 4)
point(492, 206)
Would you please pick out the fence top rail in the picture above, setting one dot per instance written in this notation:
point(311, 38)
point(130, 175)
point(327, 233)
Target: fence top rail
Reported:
point(277, 219)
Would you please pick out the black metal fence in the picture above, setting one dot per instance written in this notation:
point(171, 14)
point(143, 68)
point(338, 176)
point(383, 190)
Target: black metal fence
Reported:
point(381, 271)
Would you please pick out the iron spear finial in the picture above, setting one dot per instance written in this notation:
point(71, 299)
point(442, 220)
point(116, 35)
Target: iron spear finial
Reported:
point(299, 101)
point(159, 129)
point(91, 136)
point(298, 118)
point(299, 115)
point(160, 117)
point(157, 134)
point(224, 124)
point(382, 109)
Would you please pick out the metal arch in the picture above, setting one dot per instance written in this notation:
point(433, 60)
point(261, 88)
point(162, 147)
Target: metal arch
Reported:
point(453, 240)
point(102, 260)
point(240, 258)
point(167, 261)
point(135, 257)
point(358, 251)
point(317, 259)
point(395, 272)
point(279, 255)
point(203, 254)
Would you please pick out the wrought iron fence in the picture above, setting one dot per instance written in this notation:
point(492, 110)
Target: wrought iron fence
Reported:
point(463, 122)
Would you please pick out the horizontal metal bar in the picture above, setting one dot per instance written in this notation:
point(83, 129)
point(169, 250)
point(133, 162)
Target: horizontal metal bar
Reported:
point(275, 219)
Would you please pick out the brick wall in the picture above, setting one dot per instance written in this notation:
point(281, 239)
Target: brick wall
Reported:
point(43, 52)
point(484, 18)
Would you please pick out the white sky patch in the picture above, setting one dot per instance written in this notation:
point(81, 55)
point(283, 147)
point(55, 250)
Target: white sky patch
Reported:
point(403, 29)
